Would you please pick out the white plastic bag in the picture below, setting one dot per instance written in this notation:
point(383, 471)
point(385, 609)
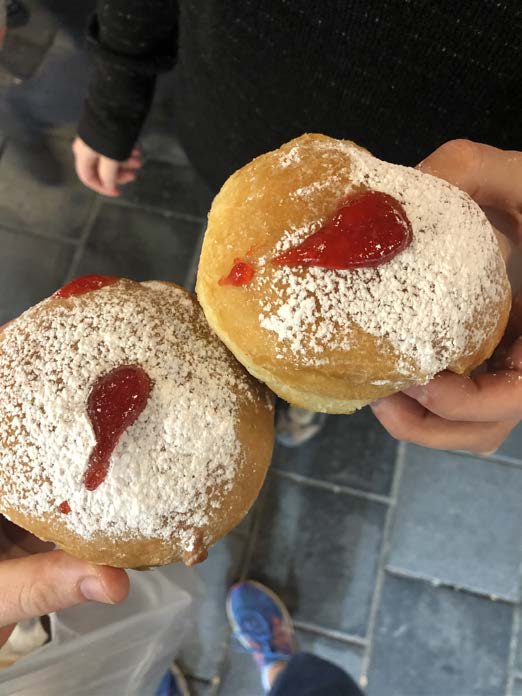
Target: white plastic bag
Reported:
point(100, 650)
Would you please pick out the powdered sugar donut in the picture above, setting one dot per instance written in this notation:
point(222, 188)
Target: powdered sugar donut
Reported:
point(338, 279)
point(130, 435)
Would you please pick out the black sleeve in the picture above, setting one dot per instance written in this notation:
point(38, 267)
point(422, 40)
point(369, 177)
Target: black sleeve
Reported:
point(133, 41)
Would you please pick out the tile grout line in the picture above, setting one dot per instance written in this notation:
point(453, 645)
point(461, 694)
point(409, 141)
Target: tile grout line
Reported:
point(68, 241)
point(515, 629)
point(331, 487)
point(93, 214)
point(383, 559)
point(348, 638)
point(435, 582)
point(193, 677)
point(253, 533)
point(496, 458)
point(243, 572)
point(147, 208)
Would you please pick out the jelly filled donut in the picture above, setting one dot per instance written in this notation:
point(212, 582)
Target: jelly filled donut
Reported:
point(130, 435)
point(337, 278)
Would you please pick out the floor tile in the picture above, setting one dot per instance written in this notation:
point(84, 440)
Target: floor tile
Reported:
point(32, 269)
point(518, 661)
point(347, 656)
point(240, 676)
point(39, 190)
point(512, 447)
point(199, 688)
point(517, 687)
point(319, 551)
point(170, 187)
point(140, 245)
point(245, 526)
point(351, 450)
point(204, 648)
point(459, 521)
point(433, 641)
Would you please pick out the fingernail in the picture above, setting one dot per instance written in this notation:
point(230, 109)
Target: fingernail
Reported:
point(92, 589)
point(417, 392)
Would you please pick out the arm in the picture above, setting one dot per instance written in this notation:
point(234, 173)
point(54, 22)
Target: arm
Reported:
point(132, 41)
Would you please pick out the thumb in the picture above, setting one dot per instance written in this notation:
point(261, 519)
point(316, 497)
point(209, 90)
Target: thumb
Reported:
point(492, 178)
point(489, 175)
point(46, 582)
point(108, 173)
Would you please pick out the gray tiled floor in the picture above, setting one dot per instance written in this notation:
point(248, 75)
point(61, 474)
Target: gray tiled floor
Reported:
point(458, 521)
point(240, 677)
point(315, 544)
point(32, 268)
point(432, 641)
point(171, 187)
point(205, 648)
point(353, 531)
point(360, 454)
point(198, 687)
point(126, 240)
point(45, 164)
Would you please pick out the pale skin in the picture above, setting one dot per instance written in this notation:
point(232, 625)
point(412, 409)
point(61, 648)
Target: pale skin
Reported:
point(36, 580)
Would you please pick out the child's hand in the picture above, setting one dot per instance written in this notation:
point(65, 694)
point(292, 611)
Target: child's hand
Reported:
point(102, 174)
point(455, 412)
point(35, 580)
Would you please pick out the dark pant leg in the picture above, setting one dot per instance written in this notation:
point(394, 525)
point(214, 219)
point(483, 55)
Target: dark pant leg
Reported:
point(308, 675)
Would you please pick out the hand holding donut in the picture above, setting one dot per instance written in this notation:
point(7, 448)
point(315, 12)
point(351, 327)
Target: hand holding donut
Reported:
point(454, 411)
point(35, 580)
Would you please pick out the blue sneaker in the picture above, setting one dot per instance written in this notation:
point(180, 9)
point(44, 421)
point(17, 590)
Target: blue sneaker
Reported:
point(295, 426)
point(261, 624)
point(172, 684)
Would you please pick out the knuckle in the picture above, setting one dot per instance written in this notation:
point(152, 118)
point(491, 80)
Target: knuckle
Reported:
point(465, 151)
point(399, 431)
point(35, 599)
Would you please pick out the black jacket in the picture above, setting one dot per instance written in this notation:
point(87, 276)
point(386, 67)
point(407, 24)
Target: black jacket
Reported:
point(398, 77)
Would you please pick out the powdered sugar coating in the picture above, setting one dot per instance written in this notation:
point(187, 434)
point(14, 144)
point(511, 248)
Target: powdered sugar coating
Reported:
point(423, 302)
point(172, 465)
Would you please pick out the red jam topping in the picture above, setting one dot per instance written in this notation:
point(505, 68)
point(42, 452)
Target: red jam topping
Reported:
point(369, 229)
point(114, 404)
point(80, 286)
point(241, 274)
point(64, 507)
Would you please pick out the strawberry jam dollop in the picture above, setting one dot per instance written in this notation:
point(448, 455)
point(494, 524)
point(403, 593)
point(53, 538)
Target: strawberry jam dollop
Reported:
point(369, 229)
point(115, 402)
point(64, 507)
point(83, 284)
point(241, 274)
